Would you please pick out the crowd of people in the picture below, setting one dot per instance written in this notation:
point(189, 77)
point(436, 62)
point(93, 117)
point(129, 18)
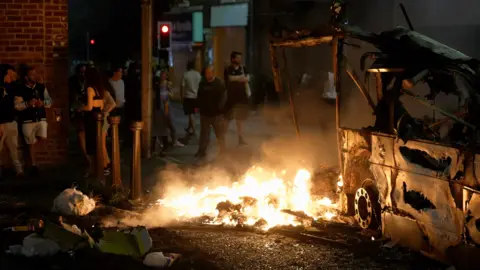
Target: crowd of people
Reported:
point(22, 108)
point(23, 101)
point(218, 103)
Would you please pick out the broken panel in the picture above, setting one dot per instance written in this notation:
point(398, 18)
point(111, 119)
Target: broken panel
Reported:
point(356, 154)
point(430, 202)
point(428, 159)
point(473, 220)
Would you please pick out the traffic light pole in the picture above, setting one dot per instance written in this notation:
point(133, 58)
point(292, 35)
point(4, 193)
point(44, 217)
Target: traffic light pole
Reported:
point(87, 42)
point(146, 76)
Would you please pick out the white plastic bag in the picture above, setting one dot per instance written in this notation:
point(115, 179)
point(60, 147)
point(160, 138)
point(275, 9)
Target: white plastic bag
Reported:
point(35, 245)
point(156, 259)
point(73, 202)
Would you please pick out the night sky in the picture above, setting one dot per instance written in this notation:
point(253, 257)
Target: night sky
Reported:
point(115, 25)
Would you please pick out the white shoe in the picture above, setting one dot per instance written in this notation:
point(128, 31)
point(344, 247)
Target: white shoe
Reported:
point(178, 144)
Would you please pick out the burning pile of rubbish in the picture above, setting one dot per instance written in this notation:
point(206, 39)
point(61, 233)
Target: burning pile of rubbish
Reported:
point(263, 199)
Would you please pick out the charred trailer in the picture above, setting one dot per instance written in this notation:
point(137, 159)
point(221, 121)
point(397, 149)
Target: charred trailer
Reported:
point(399, 176)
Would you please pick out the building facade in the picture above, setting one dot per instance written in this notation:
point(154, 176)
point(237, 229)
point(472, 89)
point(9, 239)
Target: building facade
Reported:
point(36, 33)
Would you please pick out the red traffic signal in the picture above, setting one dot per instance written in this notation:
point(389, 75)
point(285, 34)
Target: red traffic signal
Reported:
point(92, 41)
point(165, 29)
point(165, 36)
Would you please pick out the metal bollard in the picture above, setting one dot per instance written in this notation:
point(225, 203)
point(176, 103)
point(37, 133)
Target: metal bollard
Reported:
point(136, 169)
point(99, 173)
point(116, 176)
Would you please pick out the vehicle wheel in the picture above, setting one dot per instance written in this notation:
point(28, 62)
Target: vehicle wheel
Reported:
point(367, 207)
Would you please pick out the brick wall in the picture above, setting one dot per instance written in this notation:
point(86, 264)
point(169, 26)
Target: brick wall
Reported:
point(35, 32)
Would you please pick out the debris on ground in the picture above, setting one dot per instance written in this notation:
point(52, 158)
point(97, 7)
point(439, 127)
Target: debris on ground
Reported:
point(72, 202)
point(160, 260)
point(135, 242)
point(35, 245)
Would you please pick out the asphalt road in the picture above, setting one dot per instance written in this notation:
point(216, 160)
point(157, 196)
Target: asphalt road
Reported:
point(216, 248)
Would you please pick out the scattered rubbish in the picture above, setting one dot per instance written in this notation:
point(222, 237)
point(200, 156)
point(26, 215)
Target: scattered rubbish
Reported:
point(71, 228)
point(135, 242)
point(66, 239)
point(35, 245)
point(390, 244)
point(73, 203)
point(160, 260)
point(32, 226)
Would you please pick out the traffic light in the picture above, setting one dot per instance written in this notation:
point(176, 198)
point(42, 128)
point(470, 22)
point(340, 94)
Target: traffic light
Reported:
point(165, 36)
point(92, 41)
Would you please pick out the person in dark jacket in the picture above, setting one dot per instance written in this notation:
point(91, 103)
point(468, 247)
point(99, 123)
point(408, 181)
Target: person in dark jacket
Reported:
point(76, 87)
point(8, 125)
point(31, 99)
point(133, 93)
point(210, 101)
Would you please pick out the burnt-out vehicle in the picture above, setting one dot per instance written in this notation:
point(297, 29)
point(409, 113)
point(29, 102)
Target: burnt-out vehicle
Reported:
point(421, 191)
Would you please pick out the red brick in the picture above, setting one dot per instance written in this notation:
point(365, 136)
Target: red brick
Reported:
point(12, 49)
point(31, 30)
point(15, 30)
point(5, 25)
point(36, 24)
point(22, 24)
point(34, 42)
point(14, 18)
point(34, 12)
point(17, 42)
point(31, 7)
point(7, 36)
point(53, 19)
point(52, 7)
point(14, 6)
point(37, 36)
point(12, 12)
point(23, 36)
point(62, 13)
point(31, 18)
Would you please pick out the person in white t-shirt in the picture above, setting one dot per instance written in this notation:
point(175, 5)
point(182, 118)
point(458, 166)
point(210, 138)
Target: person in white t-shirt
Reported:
point(188, 92)
point(119, 87)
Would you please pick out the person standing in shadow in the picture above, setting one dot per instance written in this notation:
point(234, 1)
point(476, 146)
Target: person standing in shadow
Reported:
point(210, 100)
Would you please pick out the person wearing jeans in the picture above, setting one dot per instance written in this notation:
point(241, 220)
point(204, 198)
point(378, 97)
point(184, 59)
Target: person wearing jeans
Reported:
point(210, 100)
point(8, 125)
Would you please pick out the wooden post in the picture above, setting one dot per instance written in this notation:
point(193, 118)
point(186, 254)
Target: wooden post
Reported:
point(146, 75)
point(379, 86)
point(136, 168)
point(290, 94)
point(275, 69)
point(116, 175)
point(99, 173)
point(337, 53)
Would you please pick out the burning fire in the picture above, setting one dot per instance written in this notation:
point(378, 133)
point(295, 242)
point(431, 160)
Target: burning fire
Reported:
point(263, 198)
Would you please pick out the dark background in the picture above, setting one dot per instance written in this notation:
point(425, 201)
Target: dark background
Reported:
point(115, 25)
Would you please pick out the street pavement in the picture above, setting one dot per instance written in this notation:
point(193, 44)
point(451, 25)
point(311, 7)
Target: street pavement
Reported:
point(270, 136)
